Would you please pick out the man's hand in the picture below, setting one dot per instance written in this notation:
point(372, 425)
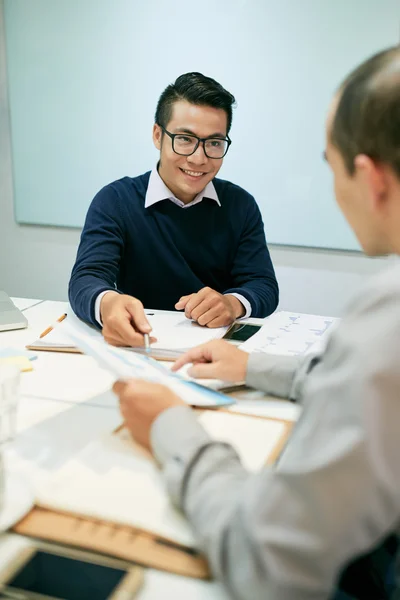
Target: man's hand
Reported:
point(215, 360)
point(210, 308)
point(141, 402)
point(124, 321)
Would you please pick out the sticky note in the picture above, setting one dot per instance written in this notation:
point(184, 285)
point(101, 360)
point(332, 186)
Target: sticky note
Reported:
point(21, 361)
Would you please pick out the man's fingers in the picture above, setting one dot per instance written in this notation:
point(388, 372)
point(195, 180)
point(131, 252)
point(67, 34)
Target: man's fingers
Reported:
point(192, 300)
point(219, 321)
point(210, 315)
point(119, 387)
point(136, 340)
point(193, 303)
point(129, 390)
point(123, 334)
point(202, 308)
point(138, 317)
point(203, 370)
point(199, 354)
point(180, 305)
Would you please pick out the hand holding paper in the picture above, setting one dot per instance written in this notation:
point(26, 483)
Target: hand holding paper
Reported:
point(141, 402)
point(125, 365)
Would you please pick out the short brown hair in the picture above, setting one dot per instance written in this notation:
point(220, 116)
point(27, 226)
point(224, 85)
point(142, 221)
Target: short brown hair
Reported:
point(198, 89)
point(367, 119)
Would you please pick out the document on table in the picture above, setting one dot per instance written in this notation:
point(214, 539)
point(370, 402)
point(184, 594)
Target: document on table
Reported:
point(116, 480)
point(172, 330)
point(290, 334)
point(124, 365)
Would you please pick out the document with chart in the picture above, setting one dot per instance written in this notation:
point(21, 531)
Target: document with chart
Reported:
point(291, 334)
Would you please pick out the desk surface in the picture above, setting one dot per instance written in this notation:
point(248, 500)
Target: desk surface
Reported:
point(69, 393)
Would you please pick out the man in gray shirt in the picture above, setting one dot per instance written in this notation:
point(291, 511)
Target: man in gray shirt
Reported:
point(289, 532)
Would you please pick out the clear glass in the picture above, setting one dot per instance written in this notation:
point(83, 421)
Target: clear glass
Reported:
point(9, 395)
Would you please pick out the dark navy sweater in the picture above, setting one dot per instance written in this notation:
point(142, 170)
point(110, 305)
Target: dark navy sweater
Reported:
point(160, 253)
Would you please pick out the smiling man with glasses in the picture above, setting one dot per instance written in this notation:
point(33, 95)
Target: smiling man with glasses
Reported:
point(175, 237)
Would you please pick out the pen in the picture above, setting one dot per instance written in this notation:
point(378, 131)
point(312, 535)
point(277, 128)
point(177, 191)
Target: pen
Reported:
point(46, 331)
point(146, 342)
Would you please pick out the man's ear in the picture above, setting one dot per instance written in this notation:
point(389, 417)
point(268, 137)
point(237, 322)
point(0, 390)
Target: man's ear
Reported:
point(157, 136)
point(374, 179)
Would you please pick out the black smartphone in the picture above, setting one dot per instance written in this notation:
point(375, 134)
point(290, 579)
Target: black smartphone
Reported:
point(240, 332)
point(68, 574)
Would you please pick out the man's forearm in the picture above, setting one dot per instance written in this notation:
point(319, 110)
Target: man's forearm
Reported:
point(82, 292)
point(281, 376)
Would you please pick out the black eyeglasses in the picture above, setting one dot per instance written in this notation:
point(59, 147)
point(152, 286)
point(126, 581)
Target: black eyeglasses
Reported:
point(186, 144)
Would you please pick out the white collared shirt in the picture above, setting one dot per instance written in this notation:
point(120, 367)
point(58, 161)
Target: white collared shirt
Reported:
point(158, 191)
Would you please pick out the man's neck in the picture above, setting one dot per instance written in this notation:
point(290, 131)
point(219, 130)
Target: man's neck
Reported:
point(183, 198)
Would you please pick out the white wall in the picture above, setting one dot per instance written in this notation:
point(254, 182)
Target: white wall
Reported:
point(36, 261)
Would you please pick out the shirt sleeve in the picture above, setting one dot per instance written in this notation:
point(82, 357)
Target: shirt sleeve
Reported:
point(246, 305)
point(97, 305)
point(282, 376)
point(287, 532)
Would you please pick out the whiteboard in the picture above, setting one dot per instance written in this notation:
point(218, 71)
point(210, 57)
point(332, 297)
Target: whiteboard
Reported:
point(84, 78)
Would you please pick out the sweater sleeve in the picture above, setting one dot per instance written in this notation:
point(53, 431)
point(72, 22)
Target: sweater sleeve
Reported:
point(99, 254)
point(252, 271)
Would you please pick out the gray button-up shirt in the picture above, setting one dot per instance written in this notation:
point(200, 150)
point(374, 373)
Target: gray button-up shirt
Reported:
point(286, 532)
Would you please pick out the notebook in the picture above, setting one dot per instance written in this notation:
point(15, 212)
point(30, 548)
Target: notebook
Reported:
point(174, 332)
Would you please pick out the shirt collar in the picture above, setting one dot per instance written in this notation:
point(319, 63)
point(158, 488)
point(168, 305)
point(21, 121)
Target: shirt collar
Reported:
point(158, 191)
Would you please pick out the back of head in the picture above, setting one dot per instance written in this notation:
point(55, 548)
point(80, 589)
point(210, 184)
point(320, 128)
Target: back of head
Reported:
point(367, 118)
point(196, 89)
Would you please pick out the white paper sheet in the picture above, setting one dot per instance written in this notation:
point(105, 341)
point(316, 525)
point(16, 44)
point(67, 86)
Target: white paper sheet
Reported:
point(290, 334)
point(123, 364)
point(117, 480)
point(172, 330)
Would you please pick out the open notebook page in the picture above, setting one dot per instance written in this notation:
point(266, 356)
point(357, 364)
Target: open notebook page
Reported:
point(114, 479)
point(172, 330)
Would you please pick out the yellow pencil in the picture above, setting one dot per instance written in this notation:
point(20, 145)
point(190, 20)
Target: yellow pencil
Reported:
point(46, 331)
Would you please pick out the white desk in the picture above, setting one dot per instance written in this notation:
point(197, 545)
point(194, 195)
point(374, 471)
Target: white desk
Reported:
point(65, 402)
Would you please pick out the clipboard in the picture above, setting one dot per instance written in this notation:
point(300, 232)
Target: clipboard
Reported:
point(127, 543)
point(124, 541)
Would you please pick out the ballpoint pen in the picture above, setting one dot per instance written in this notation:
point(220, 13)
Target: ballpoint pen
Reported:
point(146, 342)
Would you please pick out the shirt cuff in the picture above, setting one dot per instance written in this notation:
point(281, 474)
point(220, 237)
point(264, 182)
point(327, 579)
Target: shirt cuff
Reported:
point(97, 306)
point(176, 438)
point(244, 301)
point(272, 373)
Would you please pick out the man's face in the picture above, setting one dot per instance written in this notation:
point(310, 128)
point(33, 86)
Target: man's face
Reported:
point(187, 176)
point(356, 197)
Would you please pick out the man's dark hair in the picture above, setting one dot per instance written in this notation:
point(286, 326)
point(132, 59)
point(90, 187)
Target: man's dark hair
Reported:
point(196, 89)
point(367, 119)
